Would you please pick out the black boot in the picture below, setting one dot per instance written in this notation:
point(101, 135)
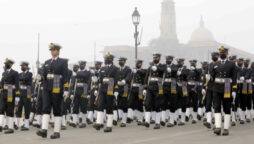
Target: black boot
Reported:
point(16, 127)
point(225, 132)
point(83, 125)
point(208, 125)
point(194, 122)
point(89, 122)
point(199, 117)
point(157, 126)
point(42, 133)
point(36, 125)
point(217, 131)
point(152, 122)
point(63, 127)
point(108, 129)
point(114, 122)
point(187, 118)
point(242, 122)
point(9, 131)
point(123, 125)
point(129, 120)
point(73, 125)
point(170, 125)
point(147, 125)
point(97, 127)
point(233, 123)
point(139, 123)
point(1, 128)
point(181, 123)
point(55, 135)
point(248, 120)
point(23, 128)
point(162, 123)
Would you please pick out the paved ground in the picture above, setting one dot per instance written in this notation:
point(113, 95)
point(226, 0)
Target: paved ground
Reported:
point(189, 134)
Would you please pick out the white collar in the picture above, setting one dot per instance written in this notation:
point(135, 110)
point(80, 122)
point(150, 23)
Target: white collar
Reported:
point(55, 58)
point(8, 70)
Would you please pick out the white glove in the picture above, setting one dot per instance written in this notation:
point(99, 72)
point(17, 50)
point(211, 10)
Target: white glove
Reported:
point(88, 96)
point(242, 78)
point(249, 81)
point(17, 100)
point(92, 71)
point(192, 68)
point(144, 92)
point(208, 77)
point(74, 74)
point(123, 82)
point(116, 94)
point(94, 79)
point(169, 69)
point(179, 73)
point(96, 93)
point(234, 95)
point(203, 91)
point(65, 94)
point(34, 98)
point(72, 97)
point(154, 68)
point(134, 70)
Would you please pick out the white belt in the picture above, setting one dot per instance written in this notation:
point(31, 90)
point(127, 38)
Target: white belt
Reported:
point(167, 80)
point(192, 83)
point(154, 79)
point(221, 80)
point(136, 85)
point(105, 80)
point(80, 84)
point(51, 76)
point(23, 87)
point(249, 80)
point(6, 86)
point(41, 88)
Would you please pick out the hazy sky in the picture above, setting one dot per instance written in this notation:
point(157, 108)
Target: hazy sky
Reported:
point(77, 24)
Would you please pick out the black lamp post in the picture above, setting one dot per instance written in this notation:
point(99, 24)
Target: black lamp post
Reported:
point(136, 20)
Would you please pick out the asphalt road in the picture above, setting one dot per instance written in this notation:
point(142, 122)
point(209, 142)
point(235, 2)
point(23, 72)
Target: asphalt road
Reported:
point(132, 134)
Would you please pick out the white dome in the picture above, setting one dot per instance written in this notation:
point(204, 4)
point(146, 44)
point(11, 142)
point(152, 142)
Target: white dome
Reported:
point(201, 34)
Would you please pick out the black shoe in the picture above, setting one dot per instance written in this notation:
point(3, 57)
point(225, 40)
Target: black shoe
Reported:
point(157, 126)
point(217, 131)
point(83, 125)
point(162, 123)
point(187, 118)
point(139, 123)
point(55, 135)
point(108, 129)
point(213, 120)
point(233, 124)
point(147, 125)
point(199, 117)
point(208, 125)
point(242, 122)
point(170, 125)
point(16, 127)
point(181, 123)
point(5, 127)
point(152, 122)
point(9, 131)
point(80, 120)
point(97, 127)
point(114, 122)
point(225, 132)
point(63, 127)
point(73, 125)
point(36, 125)
point(175, 123)
point(194, 122)
point(248, 120)
point(122, 125)
point(129, 120)
point(23, 128)
point(89, 122)
point(1, 129)
point(42, 133)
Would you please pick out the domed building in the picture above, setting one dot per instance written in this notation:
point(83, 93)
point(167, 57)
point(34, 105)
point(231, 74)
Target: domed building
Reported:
point(202, 42)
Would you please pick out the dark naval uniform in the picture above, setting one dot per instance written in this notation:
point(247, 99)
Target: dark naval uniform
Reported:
point(224, 74)
point(135, 100)
point(9, 96)
point(81, 93)
point(107, 82)
point(170, 93)
point(250, 100)
point(25, 81)
point(55, 83)
point(123, 85)
point(153, 100)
